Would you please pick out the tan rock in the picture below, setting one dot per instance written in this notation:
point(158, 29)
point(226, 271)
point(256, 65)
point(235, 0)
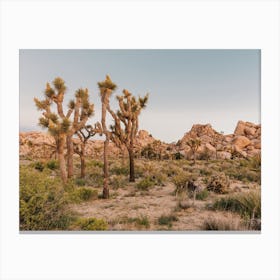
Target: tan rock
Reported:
point(224, 155)
point(239, 130)
point(241, 142)
point(249, 131)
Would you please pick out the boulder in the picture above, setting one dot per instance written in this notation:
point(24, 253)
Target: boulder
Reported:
point(241, 142)
point(239, 130)
point(224, 155)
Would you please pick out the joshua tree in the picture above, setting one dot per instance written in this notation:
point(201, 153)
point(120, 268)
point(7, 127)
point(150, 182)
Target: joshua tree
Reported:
point(194, 145)
point(84, 134)
point(126, 124)
point(106, 88)
point(59, 125)
point(83, 110)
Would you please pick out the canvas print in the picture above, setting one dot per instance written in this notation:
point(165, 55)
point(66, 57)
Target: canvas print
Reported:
point(140, 140)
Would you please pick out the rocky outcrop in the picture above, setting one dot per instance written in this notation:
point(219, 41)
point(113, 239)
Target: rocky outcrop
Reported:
point(244, 142)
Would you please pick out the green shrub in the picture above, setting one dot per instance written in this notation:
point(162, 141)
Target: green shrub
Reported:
point(167, 220)
point(247, 204)
point(142, 221)
point(80, 182)
point(95, 163)
point(145, 184)
point(120, 170)
point(83, 194)
point(42, 202)
point(92, 224)
point(39, 166)
point(202, 195)
point(52, 164)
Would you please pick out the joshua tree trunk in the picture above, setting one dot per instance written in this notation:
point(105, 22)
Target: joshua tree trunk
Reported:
point(105, 185)
point(194, 157)
point(61, 159)
point(70, 153)
point(83, 166)
point(131, 165)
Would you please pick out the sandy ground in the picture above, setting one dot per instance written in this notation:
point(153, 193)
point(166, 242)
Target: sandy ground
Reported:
point(127, 204)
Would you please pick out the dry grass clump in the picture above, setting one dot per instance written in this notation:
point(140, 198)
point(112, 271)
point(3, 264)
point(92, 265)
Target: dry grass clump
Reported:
point(219, 184)
point(224, 223)
point(247, 204)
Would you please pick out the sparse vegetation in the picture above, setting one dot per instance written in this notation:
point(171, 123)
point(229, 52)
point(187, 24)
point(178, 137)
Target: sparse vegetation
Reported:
point(129, 180)
point(92, 224)
point(248, 204)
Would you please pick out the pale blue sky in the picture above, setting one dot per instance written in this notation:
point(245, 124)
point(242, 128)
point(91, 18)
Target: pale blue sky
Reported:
point(186, 87)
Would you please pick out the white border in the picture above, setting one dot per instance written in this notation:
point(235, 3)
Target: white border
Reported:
point(155, 24)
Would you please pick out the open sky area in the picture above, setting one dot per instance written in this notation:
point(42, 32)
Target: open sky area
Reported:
point(186, 87)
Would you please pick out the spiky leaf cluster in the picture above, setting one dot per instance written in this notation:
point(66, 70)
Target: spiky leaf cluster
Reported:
point(106, 86)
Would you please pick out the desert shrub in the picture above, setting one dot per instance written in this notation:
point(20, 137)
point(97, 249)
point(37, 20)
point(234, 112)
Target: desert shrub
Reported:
point(172, 170)
point(244, 174)
point(167, 220)
point(52, 164)
point(145, 184)
point(219, 184)
point(158, 177)
point(118, 181)
point(247, 204)
point(38, 165)
point(42, 202)
point(202, 195)
point(177, 156)
point(80, 182)
point(95, 163)
point(142, 221)
point(205, 172)
point(92, 224)
point(223, 223)
point(119, 170)
point(82, 194)
point(180, 181)
point(95, 177)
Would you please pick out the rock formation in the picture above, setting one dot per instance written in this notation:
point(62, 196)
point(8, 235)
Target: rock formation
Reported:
point(244, 142)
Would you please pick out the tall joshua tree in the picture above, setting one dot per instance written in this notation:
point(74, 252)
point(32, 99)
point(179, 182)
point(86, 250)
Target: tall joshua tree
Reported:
point(106, 88)
point(194, 144)
point(57, 124)
point(126, 122)
point(83, 110)
point(84, 135)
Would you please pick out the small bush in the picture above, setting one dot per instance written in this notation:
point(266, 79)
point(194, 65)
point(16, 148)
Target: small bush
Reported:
point(145, 184)
point(92, 224)
point(219, 184)
point(83, 194)
point(118, 181)
point(80, 182)
point(39, 166)
point(202, 195)
point(42, 202)
point(247, 204)
point(52, 164)
point(142, 221)
point(167, 220)
point(120, 170)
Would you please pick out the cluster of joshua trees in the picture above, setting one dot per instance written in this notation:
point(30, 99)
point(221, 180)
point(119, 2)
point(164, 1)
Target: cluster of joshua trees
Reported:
point(63, 125)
